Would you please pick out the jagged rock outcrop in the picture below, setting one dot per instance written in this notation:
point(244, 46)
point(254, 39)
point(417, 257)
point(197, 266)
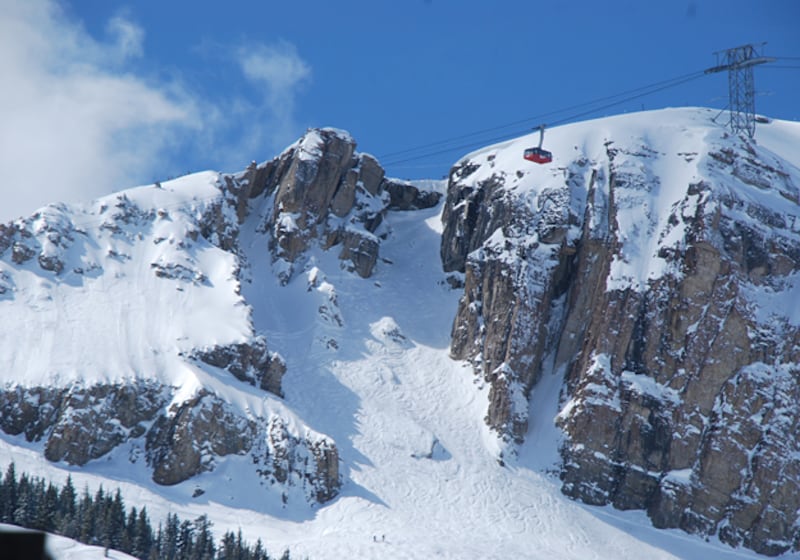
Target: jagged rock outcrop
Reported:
point(250, 362)
point(189, 439)
point(286, 459)
point(320, 190)
point(512, 277)
point(404, 196)
point(79, 424)
point(648, 290)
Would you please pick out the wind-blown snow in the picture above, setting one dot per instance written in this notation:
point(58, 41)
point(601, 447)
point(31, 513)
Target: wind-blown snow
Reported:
point(367, 365)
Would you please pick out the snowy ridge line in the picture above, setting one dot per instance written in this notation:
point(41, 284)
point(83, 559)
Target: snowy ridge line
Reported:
point(60, 208)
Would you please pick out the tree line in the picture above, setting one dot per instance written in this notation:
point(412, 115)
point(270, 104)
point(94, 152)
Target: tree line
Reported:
point(101, 519)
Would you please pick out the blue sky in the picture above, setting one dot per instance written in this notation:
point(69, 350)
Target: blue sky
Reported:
point(109, 93)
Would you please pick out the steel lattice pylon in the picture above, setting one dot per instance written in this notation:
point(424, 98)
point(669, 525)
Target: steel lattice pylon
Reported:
point(739, 63)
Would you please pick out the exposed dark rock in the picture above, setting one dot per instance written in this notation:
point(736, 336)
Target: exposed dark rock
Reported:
point(701, 355)
point(219, 227)
point(7, 232)
point(320, 190)
point(29, 411)
point(51, 263)
point(92, 422)
point(21, 253)
point(405, 196)
point(511, 280)
point(185, 442)
point(471, 214)
point(79, 424)
point(312, 465)
point(361, 250)
point(177, 271)
point(370, 174)
point(325, 480)
point(345, 197)
point(248, 361)
point(6, 284)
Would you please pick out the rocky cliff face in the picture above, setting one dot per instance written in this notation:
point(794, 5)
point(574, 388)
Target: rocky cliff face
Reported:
point(321, 191)
point(654, 276)
point(164, 264)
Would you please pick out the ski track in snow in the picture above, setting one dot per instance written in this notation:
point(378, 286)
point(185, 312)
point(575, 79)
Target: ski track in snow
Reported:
point(368, 366)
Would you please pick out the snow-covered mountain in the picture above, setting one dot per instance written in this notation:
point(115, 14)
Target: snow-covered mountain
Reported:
point(349, 365)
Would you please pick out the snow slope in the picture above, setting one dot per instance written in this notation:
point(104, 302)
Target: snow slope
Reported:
point(367, 365)
point(108, 291)
point(62, 548)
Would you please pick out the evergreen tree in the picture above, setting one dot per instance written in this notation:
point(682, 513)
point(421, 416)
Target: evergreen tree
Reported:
point(3, 499)
point(240, 548)
point(186, 541)
point(86, 518)
point(258, 552)
point(46, 507)
point(143, 539)
point(9, 501)
point(227, 547)
point(204, 543)
point(129, 534)
point(34, 503)
point(169, 543)
point(37, 491)
point(114, 521)
point(102, 508)
point(66, 523)
point(25, 507)
point(155, 550)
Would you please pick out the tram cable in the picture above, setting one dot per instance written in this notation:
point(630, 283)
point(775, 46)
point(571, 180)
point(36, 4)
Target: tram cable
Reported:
point(538, 118)
point(638, 93)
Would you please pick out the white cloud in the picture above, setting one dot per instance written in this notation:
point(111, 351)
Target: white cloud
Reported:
point(75, 124)
point(279, 74)
point(78, 122)
point(277, 67)
point(128, 36)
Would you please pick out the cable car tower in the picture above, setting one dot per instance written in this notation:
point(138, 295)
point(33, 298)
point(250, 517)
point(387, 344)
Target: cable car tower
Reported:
point(739, 62)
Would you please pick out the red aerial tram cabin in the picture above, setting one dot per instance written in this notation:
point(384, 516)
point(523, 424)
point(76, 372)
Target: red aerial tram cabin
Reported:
point(538, 155)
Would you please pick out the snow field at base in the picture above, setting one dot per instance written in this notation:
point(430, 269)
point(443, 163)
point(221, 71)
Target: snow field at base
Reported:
point(368, 366)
